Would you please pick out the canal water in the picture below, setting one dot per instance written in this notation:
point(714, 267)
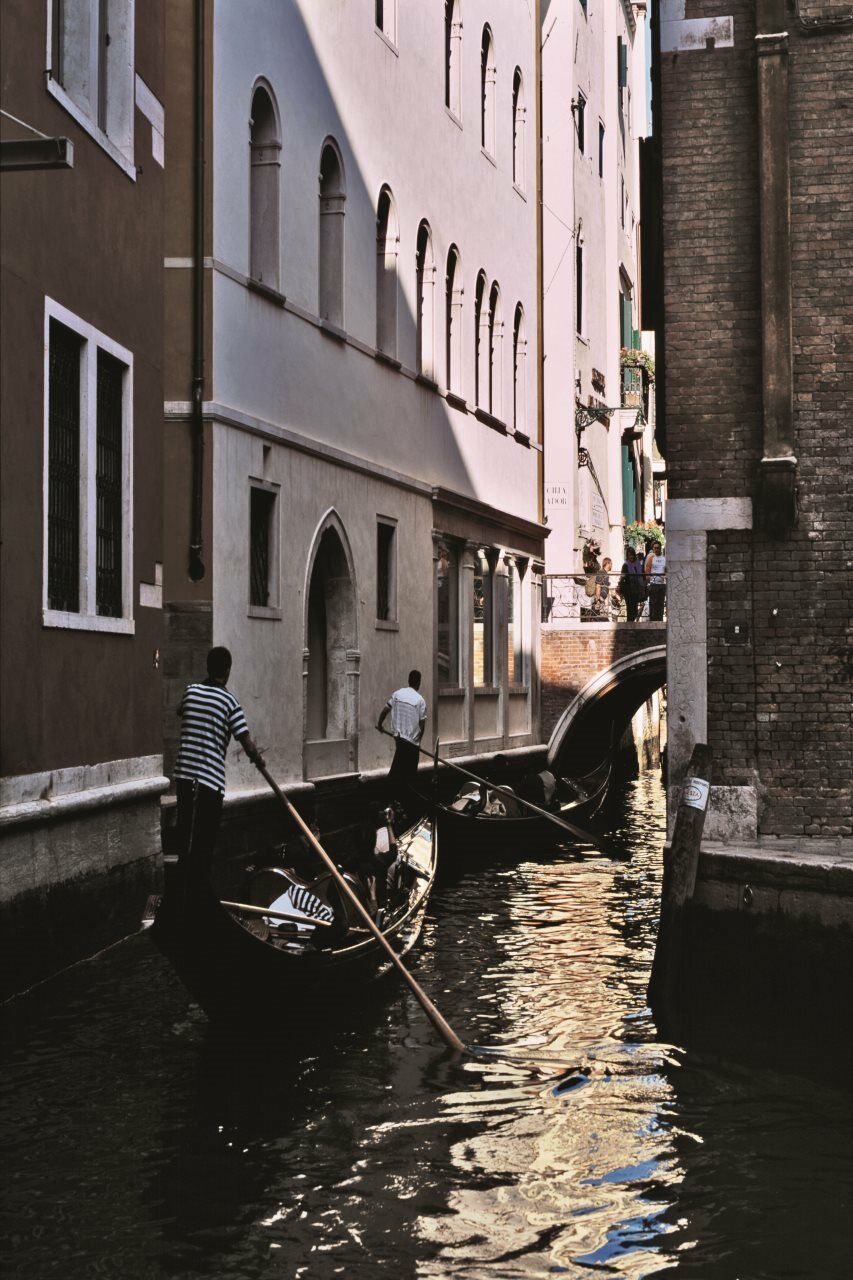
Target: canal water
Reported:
point(137, 1145)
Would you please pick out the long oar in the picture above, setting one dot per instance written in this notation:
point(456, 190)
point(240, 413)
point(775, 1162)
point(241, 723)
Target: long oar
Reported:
point(442, 1027)
point(577, 832)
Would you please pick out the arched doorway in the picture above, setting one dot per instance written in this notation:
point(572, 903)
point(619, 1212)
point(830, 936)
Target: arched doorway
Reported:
point(331, 657)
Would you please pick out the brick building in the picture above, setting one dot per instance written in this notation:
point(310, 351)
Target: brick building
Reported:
point(757, 145)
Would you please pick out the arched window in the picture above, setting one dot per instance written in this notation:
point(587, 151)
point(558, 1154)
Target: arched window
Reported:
point(452, 57)
point(426, 302)
point(519, 372)
point(495, 351)
point(487, 92)
point(265, 170)
point(386, 18)
point(453, 320)
point(332, 208)
point(387, 244)
point(518, 121)
point(481, 344)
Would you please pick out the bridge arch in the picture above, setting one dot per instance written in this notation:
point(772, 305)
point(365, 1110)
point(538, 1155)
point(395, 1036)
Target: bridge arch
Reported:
point(601, 711)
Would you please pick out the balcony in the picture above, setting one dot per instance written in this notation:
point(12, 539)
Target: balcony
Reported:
point(637, 375)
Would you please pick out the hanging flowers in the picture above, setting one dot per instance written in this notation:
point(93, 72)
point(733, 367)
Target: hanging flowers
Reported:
point(640, 532)
point(634, 358)
point(591, 551)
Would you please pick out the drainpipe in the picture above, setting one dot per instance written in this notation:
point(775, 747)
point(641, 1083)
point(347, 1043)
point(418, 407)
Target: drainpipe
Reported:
point(540, 310)
point(776, 497)
point(196, 565)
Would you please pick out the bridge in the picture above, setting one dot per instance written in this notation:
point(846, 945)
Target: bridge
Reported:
point(595, 675)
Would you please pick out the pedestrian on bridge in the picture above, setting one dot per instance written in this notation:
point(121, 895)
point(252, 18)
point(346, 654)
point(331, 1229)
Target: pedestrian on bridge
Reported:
point(656, 579)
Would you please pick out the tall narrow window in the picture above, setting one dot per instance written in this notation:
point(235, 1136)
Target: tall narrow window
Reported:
point(264, 185)
point(63, 475)
point(519, 372)
point(88, 454)
point(387, 244)
point(93, 65)
point(481, 344)
point(453, 320)
point(386, 571)
point(452, 57)
point(108, 485)
point(518, 127)
point(579, 312)
point(515, 622)
point(580, 122)
point(484, 614)
point(332, 208)
point(386, 18)
point(447, 614)
point(263, 545)
point(487, 92)
point(426, 303)
point(495, 352)
point(600, 149)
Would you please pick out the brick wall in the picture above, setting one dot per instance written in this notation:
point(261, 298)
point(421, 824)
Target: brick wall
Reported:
point(570, 658)
point(779, 706)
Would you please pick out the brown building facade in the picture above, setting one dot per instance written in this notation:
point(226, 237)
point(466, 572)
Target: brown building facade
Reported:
point(82, 395)
point(757, 146)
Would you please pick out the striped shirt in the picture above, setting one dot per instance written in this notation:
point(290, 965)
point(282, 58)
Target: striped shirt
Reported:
point(210, 716)
point(407, 709)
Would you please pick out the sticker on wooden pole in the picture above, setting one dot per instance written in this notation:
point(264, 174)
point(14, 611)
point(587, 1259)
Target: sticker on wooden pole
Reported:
point(695, 793)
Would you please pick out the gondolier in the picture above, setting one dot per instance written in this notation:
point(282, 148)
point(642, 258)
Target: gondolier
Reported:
point(408, 713)
point(210, 717)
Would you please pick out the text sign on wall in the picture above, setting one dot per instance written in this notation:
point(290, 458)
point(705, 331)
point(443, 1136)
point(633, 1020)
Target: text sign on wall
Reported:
point(557, 494)
point(597, 512)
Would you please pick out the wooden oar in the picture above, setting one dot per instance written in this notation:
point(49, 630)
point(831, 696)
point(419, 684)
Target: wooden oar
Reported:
point(252, 910)
point(442, 1027)
point(577, 832)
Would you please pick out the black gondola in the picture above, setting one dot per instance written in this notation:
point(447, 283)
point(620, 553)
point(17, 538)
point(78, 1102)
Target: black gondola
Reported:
point(490, 833)
point(244, 961)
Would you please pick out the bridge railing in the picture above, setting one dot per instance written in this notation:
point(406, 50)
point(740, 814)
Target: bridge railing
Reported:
point(601, 597)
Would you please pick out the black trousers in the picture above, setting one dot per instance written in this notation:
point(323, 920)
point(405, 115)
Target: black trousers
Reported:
point(657, 595)
point(199, 815)
point(403, 771)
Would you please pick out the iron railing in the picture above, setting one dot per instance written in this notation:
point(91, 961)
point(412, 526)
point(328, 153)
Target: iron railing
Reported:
point(602, 597)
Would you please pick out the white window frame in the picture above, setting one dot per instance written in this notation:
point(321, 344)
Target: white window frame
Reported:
point(392, 622)
point(122, 155)
point(92, 340)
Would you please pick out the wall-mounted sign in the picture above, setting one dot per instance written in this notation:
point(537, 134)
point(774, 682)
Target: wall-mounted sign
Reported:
point(597, 510)
point(557, 494)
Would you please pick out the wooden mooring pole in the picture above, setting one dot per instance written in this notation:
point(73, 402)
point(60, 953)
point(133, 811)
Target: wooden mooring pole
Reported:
point(679, 879)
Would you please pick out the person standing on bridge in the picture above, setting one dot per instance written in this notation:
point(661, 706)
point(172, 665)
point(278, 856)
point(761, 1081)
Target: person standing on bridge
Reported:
point(656, 579)
point(408, 713)
point(632, 584)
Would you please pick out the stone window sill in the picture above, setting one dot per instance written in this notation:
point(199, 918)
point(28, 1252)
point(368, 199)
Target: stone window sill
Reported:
point(451, 691)
point(496, 424)
point(264, 611)
point(266, 291)
point(426, 381)
point(391, 361)
point(333, 330)
point(387, 624)
point(457, 401)
point(453, 116)
point(486, 691)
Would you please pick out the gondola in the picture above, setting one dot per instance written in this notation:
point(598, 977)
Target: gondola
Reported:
point(465, 834)
point(248, 962)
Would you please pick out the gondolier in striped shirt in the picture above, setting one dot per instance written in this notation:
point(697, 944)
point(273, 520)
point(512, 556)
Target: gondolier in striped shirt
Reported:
point(210, 717)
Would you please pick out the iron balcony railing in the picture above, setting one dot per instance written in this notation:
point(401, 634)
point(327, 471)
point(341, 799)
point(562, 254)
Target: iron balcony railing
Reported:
point(602, 597)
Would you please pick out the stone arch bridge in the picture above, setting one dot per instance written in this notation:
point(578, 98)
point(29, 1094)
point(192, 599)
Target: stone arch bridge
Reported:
point(594, 677)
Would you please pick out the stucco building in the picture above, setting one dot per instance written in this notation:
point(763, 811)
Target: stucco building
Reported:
point(598, 473)
point(352, 484)
point(81, 382)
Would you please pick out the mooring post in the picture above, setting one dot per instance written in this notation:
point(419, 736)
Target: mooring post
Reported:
point(679, 879)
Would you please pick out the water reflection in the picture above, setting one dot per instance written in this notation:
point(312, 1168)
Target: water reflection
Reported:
point(139, 1145)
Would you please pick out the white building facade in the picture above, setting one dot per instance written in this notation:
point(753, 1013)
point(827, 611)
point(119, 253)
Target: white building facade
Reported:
point(371, 465)
point(594, 112)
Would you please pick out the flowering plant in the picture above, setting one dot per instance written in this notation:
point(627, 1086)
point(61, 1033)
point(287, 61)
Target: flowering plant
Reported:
point(639, 532)
point(591, 551)
point(633, 358)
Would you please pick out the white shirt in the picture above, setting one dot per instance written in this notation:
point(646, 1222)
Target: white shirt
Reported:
point(657, 569)
point(408, 709)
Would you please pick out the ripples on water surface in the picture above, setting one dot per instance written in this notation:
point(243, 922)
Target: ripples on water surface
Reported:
point(138, 1146)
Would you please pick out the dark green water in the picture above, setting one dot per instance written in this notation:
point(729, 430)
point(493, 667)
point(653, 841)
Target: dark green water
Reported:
point(136, 1145)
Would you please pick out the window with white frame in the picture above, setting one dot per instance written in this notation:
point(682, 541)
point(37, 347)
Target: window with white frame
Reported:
point(331, 246)
point(519, 372)
point(387, 245)
point(484, 616)
point(488, 75)
point(452, 57)
point(386, 19)
point(386, 569)
point(91, 67)
point(518, 123)
point(264, 183)
point(263, 549)
point(481, 343)
point(453, 320)
point(496, 330)
point(425, 286)
point(447, 614)
point(88, 495)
